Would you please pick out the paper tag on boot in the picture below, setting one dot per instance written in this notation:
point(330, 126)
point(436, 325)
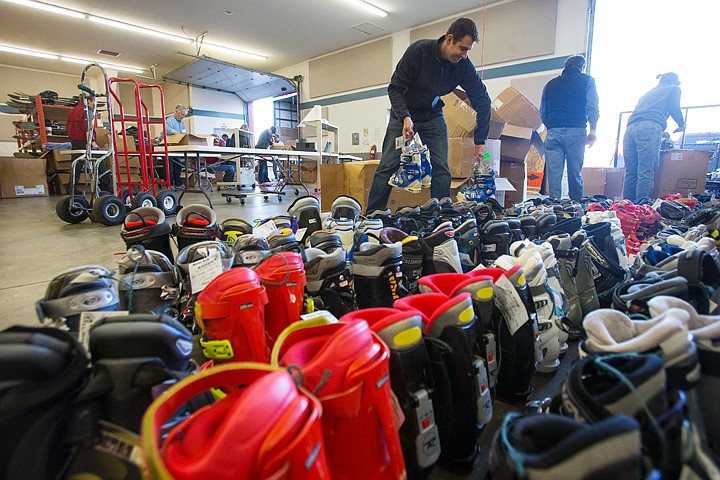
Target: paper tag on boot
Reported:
point(510, 304)
point(203, 271)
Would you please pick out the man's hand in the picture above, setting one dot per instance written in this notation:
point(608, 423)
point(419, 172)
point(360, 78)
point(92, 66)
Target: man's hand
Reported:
point(591, 138)
point(408, 131)
point(479, 150)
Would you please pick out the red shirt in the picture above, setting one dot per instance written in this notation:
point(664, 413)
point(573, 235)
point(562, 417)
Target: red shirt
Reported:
point(76, 124)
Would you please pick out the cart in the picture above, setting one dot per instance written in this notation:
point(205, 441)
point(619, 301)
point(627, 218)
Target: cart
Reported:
point(137, 158)
point(104, 207)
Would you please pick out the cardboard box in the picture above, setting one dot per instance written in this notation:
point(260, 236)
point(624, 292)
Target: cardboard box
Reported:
point(461, 156)
point(282, 147)
point(515, 174)
point(308, 171)
point(603, 181)
point(681, 171)
point(189, 139)
point(497, 125)
point(460, 116)
point(23, 177)
point(517, 110)
point(515, 143)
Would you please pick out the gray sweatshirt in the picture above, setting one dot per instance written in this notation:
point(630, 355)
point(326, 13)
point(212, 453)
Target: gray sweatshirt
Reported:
point(657, 104)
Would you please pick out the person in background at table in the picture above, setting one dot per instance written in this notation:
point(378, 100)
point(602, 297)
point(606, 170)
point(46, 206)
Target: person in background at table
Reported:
point(265, 140)
point(217, 164)
point(224, 141)
point(174, 125)
point(643, 136)
point(77, 132)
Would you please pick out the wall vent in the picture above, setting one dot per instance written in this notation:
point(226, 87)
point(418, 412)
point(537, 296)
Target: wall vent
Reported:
point(368, 28)
point(109, 53)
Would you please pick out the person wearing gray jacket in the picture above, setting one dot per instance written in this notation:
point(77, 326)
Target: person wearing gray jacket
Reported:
point(645, 127)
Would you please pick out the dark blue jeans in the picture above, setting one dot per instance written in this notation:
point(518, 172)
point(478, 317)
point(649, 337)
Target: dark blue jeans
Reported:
point(565, 145)
point(228, 169)
point(433, 133)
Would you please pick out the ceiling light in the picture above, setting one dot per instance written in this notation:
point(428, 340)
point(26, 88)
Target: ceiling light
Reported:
point(31, 53)
point(234, 51)
point(134, 28)
point(104, 65)
point(369, 7)
point(48, 8)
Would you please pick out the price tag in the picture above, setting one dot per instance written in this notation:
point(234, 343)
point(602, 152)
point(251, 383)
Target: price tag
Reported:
point(510, 304)
point(203, 271)
point(265, 229)
point(399, 142)
point(300, 234)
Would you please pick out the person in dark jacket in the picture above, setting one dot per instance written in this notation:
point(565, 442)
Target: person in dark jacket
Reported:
point(569, 103)
point(427, 70)
point(645, 127)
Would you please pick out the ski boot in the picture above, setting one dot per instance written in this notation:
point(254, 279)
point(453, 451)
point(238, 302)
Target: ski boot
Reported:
point(147, 227)
point(195, 223)
point(412, 256)
point(147, 282)
point(328, 281)
point(377, 274)
point(283, 276)
point(307, 210)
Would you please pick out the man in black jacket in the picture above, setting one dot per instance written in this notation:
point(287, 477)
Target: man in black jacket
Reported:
point(428, 70)
point(569, 103)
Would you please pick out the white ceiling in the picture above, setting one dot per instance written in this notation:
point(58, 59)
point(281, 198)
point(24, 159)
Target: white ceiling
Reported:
point(287, 32)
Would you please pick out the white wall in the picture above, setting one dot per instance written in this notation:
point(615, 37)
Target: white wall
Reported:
point(218, 103)
point(371, 114)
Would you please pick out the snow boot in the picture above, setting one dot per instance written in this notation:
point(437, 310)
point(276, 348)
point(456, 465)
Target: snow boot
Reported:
point(328, 281)
point(377, 274)
point(307, 211)
point(283, 276)
point(147, 282)
point(412, 256)
point(250, 250)
point(89, 288)
point(195, 223)
point(440, 251)
point(147, 226)
point(231, 312)
point(282, 430)
point(452, 321)
point(346, 366)
point(411, 381)
point(495, 240)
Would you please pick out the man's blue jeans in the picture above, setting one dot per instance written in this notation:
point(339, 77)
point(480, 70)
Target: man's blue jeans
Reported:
point(229, 170)
point(433, 133)
point(565, 145)
point(641, 150)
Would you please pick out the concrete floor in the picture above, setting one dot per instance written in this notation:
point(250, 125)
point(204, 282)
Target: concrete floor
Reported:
point(35, 245)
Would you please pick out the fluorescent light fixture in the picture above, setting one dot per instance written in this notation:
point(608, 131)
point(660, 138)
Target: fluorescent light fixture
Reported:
point(104, 65)
point(31, 53)
point(369, 7)
point(135, 28)
point(48, 8)
point(233, 51)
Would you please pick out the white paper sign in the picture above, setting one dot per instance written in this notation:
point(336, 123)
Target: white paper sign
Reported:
point(203, 271)
point(399, 142)
point(300, 234)
point(265, 229)
point(510, 304)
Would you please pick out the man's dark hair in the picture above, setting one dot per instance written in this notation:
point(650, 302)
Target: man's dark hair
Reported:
point(576, 61)
point(273, 129)
point(463, 27)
